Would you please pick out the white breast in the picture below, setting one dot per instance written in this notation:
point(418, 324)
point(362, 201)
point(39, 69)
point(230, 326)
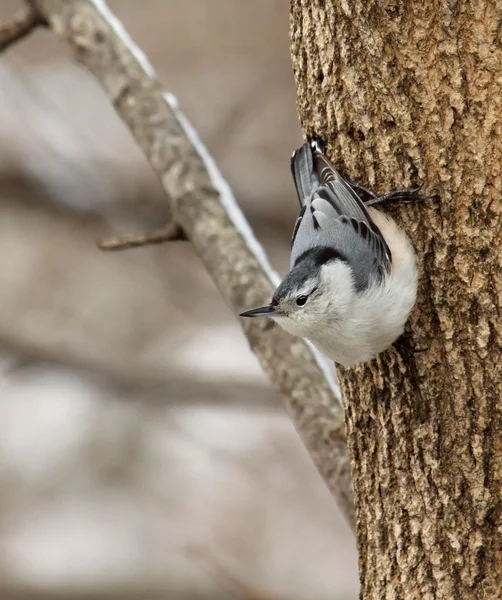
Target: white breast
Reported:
point(375, 318)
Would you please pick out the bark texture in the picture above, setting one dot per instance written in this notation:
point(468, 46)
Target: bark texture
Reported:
point(206, 211)
point(406, 93)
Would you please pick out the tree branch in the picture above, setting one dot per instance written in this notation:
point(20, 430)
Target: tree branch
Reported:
point(205, 209)
point(21, 24)
point(170, 233)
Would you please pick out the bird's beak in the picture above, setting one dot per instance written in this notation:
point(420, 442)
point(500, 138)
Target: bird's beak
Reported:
point(262, 311)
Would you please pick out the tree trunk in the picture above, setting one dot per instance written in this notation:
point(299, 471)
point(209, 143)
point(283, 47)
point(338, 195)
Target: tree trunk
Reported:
point(407, 93)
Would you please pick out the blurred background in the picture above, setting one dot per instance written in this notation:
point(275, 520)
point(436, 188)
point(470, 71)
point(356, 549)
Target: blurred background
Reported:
point(143, 454)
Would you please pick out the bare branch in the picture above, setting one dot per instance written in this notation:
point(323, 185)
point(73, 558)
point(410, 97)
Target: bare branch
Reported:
point(169, 233)
point(21, 24)
point(205, 209)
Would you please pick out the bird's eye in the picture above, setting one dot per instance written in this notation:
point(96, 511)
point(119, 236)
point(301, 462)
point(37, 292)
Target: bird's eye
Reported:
point(300, 301)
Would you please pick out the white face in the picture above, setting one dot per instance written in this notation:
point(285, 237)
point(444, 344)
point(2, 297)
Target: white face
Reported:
point(317, 302)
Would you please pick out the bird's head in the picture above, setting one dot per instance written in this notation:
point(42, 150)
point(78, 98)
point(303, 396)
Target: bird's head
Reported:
point(318, 290)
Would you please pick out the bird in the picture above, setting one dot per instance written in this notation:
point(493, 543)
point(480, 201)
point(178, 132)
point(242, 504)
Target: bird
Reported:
point(353, 275)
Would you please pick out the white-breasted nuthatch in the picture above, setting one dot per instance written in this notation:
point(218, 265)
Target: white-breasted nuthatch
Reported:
point(353, 278)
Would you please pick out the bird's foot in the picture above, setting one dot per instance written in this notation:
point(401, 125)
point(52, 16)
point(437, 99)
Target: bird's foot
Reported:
point(406, 196)
point(399, 196)
point(405, 347)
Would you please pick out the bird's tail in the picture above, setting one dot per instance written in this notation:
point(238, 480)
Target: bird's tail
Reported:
point(302, 168)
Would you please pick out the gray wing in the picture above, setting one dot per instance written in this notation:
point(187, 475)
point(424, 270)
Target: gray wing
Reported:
point(334, 216)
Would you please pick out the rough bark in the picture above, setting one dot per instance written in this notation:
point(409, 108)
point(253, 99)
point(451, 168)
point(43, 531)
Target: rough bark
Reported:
point(204, 208)
point(405, 93)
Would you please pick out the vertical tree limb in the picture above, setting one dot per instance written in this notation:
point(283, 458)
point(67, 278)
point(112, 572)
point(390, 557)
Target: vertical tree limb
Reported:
point(409, 92)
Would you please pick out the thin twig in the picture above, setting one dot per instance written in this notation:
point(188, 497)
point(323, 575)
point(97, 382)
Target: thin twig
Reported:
point(169, 233)
point(21, 24)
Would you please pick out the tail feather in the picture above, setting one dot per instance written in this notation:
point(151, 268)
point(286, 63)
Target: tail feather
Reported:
point(324, 170)
point(317, 143)
point(302, 168)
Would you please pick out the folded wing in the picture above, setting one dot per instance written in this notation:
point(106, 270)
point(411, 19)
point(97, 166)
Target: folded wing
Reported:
point(334, 216)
